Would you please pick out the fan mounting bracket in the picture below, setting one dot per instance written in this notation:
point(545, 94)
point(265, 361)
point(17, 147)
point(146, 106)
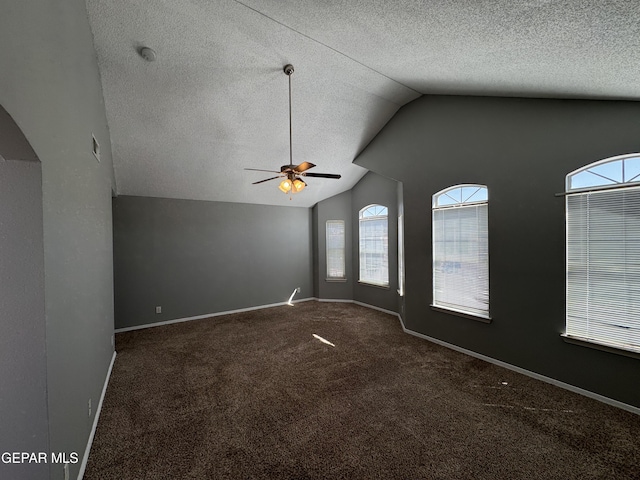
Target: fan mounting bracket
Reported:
point(288, 69)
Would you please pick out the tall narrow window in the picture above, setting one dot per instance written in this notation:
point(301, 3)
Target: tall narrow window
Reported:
point(335, 250)
point(374, 245)
point(461, 249)
point(603, 253)
point(401, 255)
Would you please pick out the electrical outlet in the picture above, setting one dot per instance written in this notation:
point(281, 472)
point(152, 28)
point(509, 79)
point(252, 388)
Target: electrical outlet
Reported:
point(66, 471)
point(89, 407)
point(298, 290)
point(158, 309)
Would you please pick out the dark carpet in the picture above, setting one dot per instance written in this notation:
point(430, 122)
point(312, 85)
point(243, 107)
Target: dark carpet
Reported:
point(255, 395)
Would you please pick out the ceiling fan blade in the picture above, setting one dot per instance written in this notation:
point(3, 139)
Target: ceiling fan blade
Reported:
point(303, 167)
point(322, 175)
point(260, 170)
point(266, 180)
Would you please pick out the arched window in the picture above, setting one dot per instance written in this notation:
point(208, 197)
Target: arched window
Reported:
point(461, 249)
point(374, 245)
point(623, 170)
point(603, 253)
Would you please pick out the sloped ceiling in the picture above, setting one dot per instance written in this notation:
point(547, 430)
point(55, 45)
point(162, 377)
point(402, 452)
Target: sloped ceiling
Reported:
point(216, 99)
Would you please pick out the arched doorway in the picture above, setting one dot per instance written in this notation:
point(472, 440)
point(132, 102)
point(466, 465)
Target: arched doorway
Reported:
point(23, 367)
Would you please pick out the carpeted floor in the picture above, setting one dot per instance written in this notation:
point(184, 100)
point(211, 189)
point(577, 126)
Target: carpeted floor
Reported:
point(255, 395)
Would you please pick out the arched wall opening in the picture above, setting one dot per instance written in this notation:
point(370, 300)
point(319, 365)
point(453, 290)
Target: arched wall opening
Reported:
point(23, 367)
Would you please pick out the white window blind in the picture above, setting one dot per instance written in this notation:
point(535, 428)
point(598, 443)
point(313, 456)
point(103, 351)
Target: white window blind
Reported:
point(374, 245)
point(603, 267)
point(461, 250)
point(335, 249)
point(401, 255)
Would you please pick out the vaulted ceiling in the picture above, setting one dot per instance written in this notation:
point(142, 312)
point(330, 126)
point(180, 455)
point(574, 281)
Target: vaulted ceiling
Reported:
point(215, 100)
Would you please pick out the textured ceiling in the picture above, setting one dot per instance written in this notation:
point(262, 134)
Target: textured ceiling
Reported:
point(216, 99)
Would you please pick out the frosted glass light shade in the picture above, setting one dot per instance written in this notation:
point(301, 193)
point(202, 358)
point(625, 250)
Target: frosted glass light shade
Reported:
point(298, 185)
point(285, 185)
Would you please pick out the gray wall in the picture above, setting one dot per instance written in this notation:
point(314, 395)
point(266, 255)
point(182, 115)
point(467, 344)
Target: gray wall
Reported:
point(334, 208)
point(521, 149)
point(314, 247)
point(373, 188)
point(23, 368)
point(51, 87)
point(194, 258)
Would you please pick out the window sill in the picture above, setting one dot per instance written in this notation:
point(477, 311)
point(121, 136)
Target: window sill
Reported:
point(584, 342)
point(458, 313)
point(377, 285)
point(335, 280)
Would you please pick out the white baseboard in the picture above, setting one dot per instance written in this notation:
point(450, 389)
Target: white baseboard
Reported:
point(85, 459)
point(528, 373)
point(362, 304)
point(209, 315)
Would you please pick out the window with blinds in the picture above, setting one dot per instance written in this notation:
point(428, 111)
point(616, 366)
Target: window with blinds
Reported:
point(461, 249)
point(401, 255)
point(603, 253)
point(335, 250)
point(374, 245)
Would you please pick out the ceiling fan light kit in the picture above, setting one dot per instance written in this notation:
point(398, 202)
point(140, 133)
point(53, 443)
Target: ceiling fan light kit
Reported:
point(285, 186)
point(292, 183)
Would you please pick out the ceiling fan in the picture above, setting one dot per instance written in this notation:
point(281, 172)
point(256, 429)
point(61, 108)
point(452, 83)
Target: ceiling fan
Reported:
point(291, 174)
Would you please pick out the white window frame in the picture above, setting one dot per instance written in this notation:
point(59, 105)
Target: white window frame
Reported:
point(335, 273)
point(401, 266)
point(602, 297)
point(372, 213)
point(466, 292)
